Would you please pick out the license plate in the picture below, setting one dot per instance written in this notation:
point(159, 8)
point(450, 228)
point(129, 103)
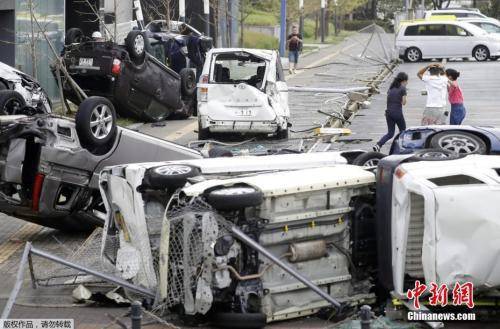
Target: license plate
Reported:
point(244, 112)
point(86, 61)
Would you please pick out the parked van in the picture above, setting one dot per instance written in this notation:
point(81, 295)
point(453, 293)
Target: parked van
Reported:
point(445, 39)
point(486, 24)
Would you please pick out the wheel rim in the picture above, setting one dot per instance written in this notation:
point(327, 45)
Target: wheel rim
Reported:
point(11, 106)
point(101, 121)
point(139, 44)
point(234, 191)
point(434, 155)
point(460, 144)
point(172, 170)
point(413, 55)
point(371, 163)
point(481, 54)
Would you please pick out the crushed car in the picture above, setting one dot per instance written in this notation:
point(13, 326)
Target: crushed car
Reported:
point(242, 91)
point(18, 90)
point(137, 83)
point(356, 233)
point(49, 165)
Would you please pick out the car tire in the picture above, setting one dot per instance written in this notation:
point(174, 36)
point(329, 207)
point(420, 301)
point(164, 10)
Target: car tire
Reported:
point(434, 155)
point(95, 123)
point(238, 320)
point(188, 82)
point(170, 176)
point(368, 159)
point(11, 102)
point(282, 133)
point(458, 142)
point(203, 133)
point(73, 35)
point(234, 197)
point(136, 44)
point(413, 55)
point(481, 53)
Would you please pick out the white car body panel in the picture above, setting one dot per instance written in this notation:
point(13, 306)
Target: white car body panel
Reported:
point(461, 227)
point(445, 46)
point(242, 107)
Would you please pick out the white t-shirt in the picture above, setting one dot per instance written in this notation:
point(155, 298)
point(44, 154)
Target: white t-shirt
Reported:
point(437, 89)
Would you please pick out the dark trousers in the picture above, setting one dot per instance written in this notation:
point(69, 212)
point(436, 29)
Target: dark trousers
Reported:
point(392, 119)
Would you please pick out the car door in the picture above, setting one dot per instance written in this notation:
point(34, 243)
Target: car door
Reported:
point(459, 41)
point(276, 80)
point(433, 40)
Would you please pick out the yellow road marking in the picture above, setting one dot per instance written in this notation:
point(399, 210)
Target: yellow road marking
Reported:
point(182, 132)
point(17, 240)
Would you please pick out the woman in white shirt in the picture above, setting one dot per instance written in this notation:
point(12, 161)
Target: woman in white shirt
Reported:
point(436, 84)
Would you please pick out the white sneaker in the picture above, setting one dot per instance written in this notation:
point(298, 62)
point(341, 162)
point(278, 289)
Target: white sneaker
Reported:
point(376, 148)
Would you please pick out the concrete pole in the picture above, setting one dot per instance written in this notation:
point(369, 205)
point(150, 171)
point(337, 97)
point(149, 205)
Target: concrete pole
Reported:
point(282, 27)
point(206, 12)
point(182, 10)
point(323, 23)
point(301, 20)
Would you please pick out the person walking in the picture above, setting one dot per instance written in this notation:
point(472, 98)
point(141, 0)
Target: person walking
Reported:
point(436, 85)
point(396, 98)
point(294, 43)
point(455, 98)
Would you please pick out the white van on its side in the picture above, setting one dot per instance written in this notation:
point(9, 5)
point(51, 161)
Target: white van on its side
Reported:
point(445, 39)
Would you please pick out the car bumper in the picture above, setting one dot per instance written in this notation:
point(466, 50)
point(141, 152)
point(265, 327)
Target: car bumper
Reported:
point(243, 127)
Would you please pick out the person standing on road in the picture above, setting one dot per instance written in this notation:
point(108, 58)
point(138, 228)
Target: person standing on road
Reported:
point(455, 97)
point(436, 85)
point(396, 98)
point(294, 43)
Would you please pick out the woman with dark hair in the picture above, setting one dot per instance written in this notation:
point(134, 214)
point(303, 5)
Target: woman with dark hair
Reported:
point(396, 98)
point(455, 97)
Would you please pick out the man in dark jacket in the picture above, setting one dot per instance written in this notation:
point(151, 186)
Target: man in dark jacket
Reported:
point(294, 42)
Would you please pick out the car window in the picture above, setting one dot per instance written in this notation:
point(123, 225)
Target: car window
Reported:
point(474, 15)
point(412, 30)
point(431, 30)
point(490, 28)
point(453, 30)
point(234, 69)
point(280, 76)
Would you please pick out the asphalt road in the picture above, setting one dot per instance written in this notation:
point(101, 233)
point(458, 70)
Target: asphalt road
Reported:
point(479, 81)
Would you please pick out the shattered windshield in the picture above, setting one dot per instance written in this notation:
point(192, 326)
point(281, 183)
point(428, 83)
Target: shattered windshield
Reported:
point(239, 68)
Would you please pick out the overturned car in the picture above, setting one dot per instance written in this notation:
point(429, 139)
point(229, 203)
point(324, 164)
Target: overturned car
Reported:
point(350, 231)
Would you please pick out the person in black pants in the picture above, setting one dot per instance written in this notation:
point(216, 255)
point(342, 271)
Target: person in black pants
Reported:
point(396, 98)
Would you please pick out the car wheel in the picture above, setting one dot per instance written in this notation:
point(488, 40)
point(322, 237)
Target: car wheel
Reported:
point(234, 197)
point(11, 102)
point(458, 142)
point(368, 159)
point(170, 176)
point(136, 45)
point(481, 53)
point(188, 82)
point(73, 35)
point(282, 133)
point(434, 155)
point(413, 54)
point(203, 133)
point(95, 122)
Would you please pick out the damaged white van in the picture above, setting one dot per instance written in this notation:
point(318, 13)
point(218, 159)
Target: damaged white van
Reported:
point(243, 91)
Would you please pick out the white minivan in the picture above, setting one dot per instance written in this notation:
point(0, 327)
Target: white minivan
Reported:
point(445, 39)
point(242, 91)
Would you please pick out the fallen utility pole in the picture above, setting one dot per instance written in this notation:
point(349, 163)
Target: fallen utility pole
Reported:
point(329, 90)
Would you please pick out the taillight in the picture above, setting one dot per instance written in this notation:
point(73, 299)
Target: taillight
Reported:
point(117, 67)
point(203, 90)
point(37, 191)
